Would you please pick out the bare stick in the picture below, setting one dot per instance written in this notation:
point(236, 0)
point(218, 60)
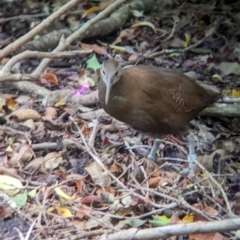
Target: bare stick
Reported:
point(35, 54)
point(78, 34)
point(217, 184)
point(175, 230)
point(95, 158)
point(44, 24)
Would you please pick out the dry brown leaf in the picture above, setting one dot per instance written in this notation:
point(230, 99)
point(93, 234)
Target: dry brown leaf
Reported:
point(36, 163)
point(10, 172)
point(207, 209)
point(72, 21)
point(208, 236)
point(52, 160)
point(114, 168)
point(49, 78)
point(207, 160)
point(29, 124)
point(151, 167)
point(79, 224)
point(97, 174)
point(176, 42)
point(25, 114)
point(126, 35)
point(175, 219)
point(21, 155)
point(154, 181)
point(57, 98)
point(79, 184)
point(6, 212)
point(91, 198)
point(51, 112)
point(82, 210)
point(96, 48)
point(87, 131)
point(53, 124)
point(133, 58)
point(11, 104)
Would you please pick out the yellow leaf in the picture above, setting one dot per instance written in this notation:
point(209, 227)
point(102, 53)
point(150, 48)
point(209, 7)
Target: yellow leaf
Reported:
point(64, 212)
point(60, 103)
point(187, 40)
point(188, 219)
point(235, 93)
point(90, 11)
point(63, 196)
point(144, 24)
point(49, 210)
point(205, 176)
point(10, 185)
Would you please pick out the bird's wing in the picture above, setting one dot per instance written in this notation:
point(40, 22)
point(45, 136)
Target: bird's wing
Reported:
point(170, 93)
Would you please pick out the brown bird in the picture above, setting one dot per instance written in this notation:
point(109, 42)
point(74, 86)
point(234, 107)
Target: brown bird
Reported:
point(151, 99)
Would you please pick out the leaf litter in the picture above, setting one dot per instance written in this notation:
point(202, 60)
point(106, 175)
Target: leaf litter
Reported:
point(43, 156)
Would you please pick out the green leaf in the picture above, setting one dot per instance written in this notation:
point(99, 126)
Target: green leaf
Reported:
point(93, 63)
point(160, 221)
point(33, 192)
point(216, 78)
point(20, 200)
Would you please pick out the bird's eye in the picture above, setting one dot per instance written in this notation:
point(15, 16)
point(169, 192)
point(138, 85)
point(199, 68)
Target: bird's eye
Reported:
point(115, 74)
point(104, 72)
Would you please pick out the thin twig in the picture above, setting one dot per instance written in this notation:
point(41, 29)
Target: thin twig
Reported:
point(78, 35)
point(95, 158)
point(219, 186)
point(35, 54)
point(31, 34)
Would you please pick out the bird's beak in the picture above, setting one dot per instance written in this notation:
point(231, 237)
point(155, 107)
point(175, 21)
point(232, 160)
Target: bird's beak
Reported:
point(108, 90)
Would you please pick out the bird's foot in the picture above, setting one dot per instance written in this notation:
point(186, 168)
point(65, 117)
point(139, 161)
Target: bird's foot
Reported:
point(153, 152)
point(176, 140)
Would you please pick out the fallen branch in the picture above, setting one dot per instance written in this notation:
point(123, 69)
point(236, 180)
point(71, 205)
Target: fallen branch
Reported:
point(45, 23)
point(80, 34)
point(34, 54)
point(175, 230)
point(222, 110)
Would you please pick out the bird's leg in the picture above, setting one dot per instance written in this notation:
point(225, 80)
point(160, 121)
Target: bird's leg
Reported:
point(191, 154)
point(191, 145)
point(152, 155)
